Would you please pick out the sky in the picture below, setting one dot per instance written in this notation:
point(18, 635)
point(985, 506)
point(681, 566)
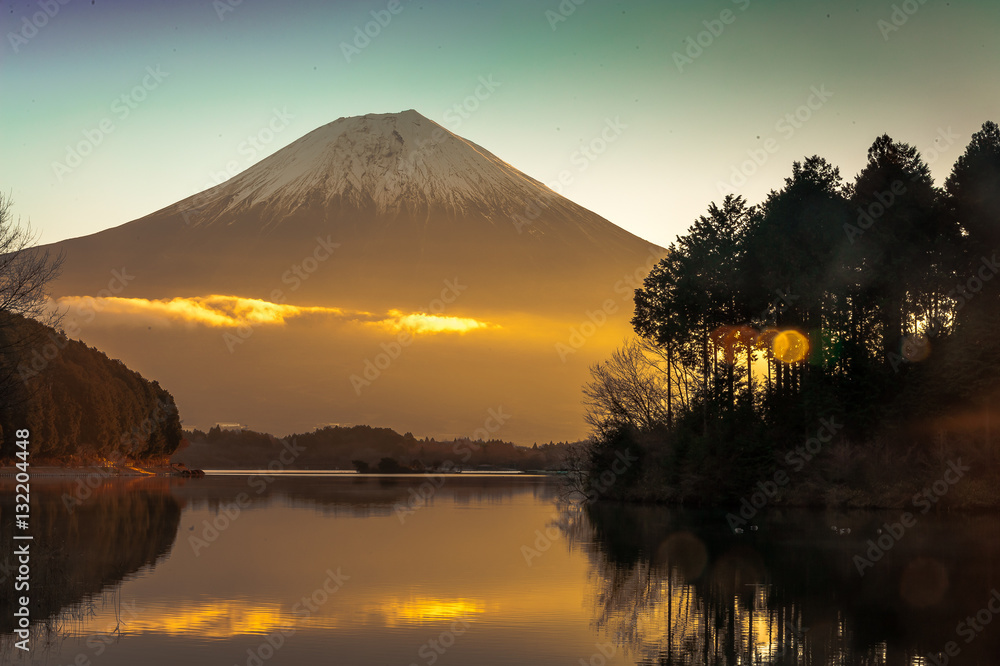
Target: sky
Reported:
point(644, 112)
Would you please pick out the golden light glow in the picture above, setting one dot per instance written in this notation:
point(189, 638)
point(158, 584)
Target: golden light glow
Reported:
point(215, 620)
point(216, 310)
point(421, 610)
point(221, 311)
point(790, 346)
point(733, 338)
point(765, 339)
point(419, 322)
point(226, 618)
point(219, 618)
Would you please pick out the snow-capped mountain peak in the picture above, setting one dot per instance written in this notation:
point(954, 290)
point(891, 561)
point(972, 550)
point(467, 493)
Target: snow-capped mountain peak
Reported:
point(384, 164)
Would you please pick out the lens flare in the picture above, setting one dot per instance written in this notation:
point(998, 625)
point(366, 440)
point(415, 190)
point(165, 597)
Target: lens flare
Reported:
point(916, 347)
point(765, 339)
point(790, 346)
point(733, 339)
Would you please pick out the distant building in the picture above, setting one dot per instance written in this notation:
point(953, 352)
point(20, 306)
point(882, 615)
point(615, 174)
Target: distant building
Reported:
point(231, 427)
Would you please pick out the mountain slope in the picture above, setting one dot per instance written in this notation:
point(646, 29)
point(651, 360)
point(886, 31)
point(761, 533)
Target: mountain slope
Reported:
point(408, 203)
point(364, 231)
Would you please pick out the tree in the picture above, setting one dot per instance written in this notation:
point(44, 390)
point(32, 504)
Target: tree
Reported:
point(974, 190)
point(631, 388)
point(24, 271)
point(24, 275)
point(845, 288)
point(690, 299)
point(903, 246)
point(78, 402)
point(390, 466)
point(973, 200)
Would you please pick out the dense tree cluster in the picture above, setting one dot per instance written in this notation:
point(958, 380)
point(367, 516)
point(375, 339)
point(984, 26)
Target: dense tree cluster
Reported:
point(78, 404)
point(870, 302)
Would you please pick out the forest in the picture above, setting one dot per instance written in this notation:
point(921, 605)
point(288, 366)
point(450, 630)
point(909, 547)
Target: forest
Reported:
point(79, 405)
point(839, 336)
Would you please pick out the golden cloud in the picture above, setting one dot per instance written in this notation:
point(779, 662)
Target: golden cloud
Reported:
point(215, 310)
point(221, 311)
point(418, 322)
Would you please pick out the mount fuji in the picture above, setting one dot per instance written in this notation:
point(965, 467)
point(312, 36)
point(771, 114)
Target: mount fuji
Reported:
point(370, 215)
point(407, 202)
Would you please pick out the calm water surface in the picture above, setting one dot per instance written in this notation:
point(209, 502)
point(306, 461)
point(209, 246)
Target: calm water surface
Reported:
point(495, 570)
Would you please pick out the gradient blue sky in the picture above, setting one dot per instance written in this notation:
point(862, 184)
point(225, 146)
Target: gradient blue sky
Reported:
point(683, 129)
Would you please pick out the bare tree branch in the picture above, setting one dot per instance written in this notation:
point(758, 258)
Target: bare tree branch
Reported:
point(631, 388)
point(24, 274)
point(24, 270)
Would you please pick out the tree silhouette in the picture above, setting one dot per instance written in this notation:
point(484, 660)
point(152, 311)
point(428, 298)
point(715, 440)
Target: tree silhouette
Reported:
point(866, 302)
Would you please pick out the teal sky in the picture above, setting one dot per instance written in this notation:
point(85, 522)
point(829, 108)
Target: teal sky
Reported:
point(230, 71)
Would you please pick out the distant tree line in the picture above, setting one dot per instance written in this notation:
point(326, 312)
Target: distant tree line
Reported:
point(365, 449)
point(871, 302)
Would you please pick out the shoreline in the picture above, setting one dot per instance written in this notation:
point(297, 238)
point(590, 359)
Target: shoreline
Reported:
point(138, 471)
point(856, 501)
point(85, 470)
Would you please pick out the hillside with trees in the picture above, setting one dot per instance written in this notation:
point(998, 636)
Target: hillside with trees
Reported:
point(836, 343)
point(79, 405)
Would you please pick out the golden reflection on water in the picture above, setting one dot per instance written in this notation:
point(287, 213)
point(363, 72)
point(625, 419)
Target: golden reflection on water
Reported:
point(215, 618)
point(422, 610)
point(226, 618)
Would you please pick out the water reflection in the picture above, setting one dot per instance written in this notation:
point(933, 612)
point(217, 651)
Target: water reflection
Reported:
point(677, 587)
point(498, 568)
point(361, 495)
point(81, 551)
point(443, 564)
point(98, 543)
point(396, 612)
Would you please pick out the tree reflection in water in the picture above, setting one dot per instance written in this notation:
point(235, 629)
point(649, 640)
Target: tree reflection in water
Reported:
point(675, 586)
point(81, 552)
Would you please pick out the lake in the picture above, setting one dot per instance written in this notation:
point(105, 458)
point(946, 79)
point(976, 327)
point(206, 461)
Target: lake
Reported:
point(478, 570)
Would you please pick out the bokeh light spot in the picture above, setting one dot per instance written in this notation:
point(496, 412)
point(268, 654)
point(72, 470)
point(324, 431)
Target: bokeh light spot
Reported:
point(924, 582)
point(916, 347)
point(790, 346)
point(686, 553)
